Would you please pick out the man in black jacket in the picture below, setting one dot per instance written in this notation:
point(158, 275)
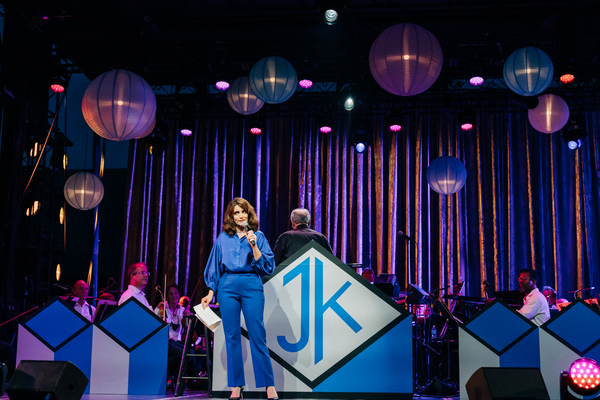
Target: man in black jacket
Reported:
point(291, 241)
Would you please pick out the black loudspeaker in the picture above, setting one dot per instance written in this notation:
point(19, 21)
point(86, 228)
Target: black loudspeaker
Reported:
point(34, 380)
point(507, 384)
point(388, 284)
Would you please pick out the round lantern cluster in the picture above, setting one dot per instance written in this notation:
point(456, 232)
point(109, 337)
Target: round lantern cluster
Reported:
point(405, 59)
point(528, 71)
point(551, 114)
point(83, 191)
point(241, 97)
point(446, 175)
point(119, 105)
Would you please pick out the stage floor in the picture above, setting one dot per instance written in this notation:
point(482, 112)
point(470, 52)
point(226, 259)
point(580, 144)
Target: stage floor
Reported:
point(195, 394)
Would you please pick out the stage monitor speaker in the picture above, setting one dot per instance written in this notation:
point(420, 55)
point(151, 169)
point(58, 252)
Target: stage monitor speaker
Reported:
point(507, 384)
point(388, 284)
point(36, 380)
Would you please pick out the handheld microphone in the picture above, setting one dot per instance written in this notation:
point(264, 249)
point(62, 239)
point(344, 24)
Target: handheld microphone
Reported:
point(404, 235)
point(245, 225)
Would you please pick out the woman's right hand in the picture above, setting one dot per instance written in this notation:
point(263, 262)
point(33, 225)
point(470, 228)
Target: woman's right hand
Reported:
point(207, 299)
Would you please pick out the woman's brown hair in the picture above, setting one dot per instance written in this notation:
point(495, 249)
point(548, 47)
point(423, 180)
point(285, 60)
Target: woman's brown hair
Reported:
point(229, 224)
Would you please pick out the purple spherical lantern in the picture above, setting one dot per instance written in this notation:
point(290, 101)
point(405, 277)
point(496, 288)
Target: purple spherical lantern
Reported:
point(551, 114)
point(446, 175)
point(119, 105)
point(405, 59)
point(241, 97)
point(83, 191)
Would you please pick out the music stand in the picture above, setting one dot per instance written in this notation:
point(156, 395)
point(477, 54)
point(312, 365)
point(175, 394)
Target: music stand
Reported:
point(388, 284)
point(104, 308)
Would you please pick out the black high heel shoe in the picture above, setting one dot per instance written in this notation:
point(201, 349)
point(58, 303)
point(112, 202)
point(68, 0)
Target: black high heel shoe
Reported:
point(271, 398)
point(240, 397)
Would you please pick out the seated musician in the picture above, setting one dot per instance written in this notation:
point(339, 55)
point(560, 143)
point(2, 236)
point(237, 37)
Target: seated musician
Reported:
point(550, 295)
point(535, 307)
point(80, 293)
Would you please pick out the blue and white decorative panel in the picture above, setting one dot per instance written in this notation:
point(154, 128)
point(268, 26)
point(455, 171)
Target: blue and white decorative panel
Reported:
point(330, 333)
point(498, 336)
point(124, 353)
point(56, 332)
point(572, 334)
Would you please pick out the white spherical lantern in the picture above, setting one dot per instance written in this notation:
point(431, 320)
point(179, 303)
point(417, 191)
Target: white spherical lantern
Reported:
point(83, 191)
point(119, 105)
point(446, 175)
point(551, 114)
point(241, 97)
point(406, 59)
point(528, 71)
point(273, 80)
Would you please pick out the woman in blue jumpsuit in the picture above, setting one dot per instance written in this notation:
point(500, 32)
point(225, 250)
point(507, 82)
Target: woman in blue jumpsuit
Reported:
point(239, 258)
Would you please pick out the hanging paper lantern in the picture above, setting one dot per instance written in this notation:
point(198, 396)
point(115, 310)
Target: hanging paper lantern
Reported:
point(551, 114)
point(119, 105)
point(148, 131)
point(273, 80)
point(446, 175)
point(84, 191)
point(405, 59)
point(528, 71)
point(241, 97)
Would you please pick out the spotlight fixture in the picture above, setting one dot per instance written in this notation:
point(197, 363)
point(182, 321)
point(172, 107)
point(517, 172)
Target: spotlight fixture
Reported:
point(156, 144)
point(59, 82)
point(256, 127)
point(360, 136)
point(581, 381)
point(325, 123)
point(566, 74)
point(349, 97)
point(574, 133)
point(331, 10)
point(466, 122)
point(186, 127)
point(304, 80)
point(395, 124)
point(476, 77)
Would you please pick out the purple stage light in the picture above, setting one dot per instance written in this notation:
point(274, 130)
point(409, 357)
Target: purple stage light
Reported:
point(255, 131)
point(222, 85)
point(476, 81)
point(395, 128)
point(186, 132)
point(466, 126)
point(325, 129)
point(305, 83)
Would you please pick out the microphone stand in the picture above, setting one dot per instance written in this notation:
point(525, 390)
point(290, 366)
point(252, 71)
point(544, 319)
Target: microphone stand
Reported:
point(20, 315)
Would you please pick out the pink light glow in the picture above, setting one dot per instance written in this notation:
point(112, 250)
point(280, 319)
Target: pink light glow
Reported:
point(305, 83)
point(255, 131)
point(476, 81)
point(185, 132)
point(222, 85)
point(395, 128)
point(56, 88)
point(466, 127)
point(325, 129)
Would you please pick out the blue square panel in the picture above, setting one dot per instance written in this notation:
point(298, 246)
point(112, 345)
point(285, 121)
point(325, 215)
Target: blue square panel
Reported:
point(577, 327)
point(131, 323)
point(498, 326)
point(56, 323)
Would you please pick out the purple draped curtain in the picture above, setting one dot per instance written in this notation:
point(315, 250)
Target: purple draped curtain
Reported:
point(529, 201)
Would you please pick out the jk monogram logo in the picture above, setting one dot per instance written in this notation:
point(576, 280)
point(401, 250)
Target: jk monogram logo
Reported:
point(320, 314)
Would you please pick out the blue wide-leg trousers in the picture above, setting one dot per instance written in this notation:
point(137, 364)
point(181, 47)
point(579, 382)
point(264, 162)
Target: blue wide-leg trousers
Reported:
point(244, 292)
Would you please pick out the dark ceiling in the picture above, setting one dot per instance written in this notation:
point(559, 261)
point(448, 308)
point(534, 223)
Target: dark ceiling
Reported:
point(171, 42)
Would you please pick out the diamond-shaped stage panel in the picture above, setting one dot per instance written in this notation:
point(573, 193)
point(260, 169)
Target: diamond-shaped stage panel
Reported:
point(507, 326)
point(56, 323)
point(576, 327)
point(130, 326)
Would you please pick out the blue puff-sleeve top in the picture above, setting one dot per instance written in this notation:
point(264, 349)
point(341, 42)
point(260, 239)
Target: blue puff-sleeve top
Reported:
point(234, 254)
